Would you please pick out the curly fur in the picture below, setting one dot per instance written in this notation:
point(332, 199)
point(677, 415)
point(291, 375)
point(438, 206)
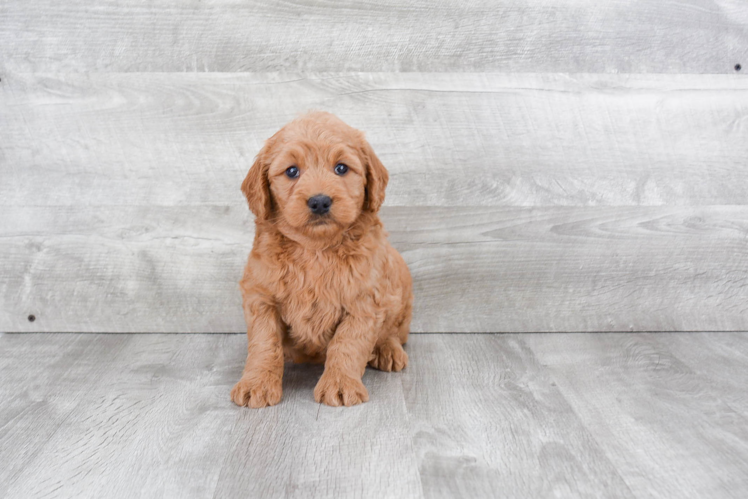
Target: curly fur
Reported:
point(327, 289)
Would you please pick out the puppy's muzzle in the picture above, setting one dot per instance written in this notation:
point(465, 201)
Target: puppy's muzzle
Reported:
point(319, 204)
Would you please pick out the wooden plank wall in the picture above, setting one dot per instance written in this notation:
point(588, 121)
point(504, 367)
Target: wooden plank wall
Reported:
point(555, 166)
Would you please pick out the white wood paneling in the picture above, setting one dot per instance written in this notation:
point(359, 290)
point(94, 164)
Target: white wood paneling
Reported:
point(685, 36)
point(162, 269)
point(521, 202)
point(447, 139)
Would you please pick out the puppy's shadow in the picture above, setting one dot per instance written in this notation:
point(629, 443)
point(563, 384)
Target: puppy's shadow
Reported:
point(301, 378)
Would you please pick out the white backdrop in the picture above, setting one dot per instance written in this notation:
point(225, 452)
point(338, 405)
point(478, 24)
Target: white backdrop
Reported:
point(555, 166)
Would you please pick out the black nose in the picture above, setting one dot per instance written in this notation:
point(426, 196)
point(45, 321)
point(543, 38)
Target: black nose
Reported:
point(319, 204)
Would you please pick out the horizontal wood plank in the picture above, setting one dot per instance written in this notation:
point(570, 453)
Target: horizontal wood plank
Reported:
point(447, 139)
point(694, 36)
point(161, 269)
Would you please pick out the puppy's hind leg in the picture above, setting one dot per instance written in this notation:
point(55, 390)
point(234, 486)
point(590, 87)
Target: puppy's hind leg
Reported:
point(389, 355)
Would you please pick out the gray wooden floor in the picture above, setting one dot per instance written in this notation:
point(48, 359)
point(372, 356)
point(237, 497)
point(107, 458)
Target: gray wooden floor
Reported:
point(550, 415)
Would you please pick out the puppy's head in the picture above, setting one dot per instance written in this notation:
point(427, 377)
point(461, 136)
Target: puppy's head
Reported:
point(315, 176)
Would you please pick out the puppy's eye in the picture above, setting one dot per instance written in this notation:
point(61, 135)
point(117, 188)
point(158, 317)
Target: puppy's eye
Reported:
point(292, 172)
point(341, 169)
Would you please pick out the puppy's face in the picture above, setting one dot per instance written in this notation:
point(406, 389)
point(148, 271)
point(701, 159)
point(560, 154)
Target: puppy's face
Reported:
point(318, 186)
point(315, 176)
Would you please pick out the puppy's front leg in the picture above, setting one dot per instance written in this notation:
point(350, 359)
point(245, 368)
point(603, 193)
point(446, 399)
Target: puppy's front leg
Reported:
point(261, 382)
point(347, 356)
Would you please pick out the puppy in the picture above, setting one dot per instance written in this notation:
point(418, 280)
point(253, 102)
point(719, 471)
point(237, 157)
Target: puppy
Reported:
point(322, 283)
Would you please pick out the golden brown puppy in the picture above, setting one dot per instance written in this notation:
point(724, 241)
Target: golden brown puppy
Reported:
point(322, 283)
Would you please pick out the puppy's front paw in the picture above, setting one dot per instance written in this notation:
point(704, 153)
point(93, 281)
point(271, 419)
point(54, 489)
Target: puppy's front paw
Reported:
point(257, 392)
point(336, 389)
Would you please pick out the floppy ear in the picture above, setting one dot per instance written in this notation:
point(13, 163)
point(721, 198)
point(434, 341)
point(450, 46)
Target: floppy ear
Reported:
point(376, 179)
point(257, 188)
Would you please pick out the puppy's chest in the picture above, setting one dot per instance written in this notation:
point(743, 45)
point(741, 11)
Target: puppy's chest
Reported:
point(313, 298)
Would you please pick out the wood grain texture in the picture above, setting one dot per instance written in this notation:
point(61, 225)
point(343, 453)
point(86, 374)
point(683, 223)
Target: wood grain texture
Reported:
point(719, 359)
point(43, 378)
point(447, 139)
point(300, 449)
point(693, 36)
point(160, 423)
point(488, 422)
point(162, 269)
point(124, 269)
point(665, 427)
point(601, 415)
point(551, 202)
point(157, 424)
